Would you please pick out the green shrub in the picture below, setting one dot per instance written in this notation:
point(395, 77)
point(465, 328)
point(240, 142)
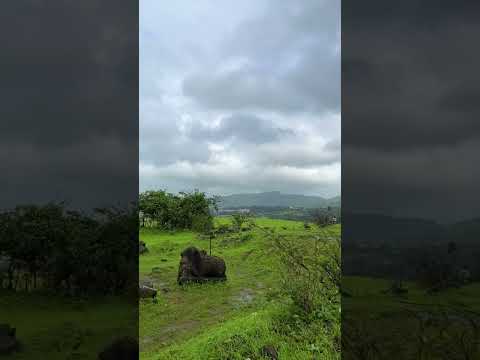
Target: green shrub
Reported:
point(310, 273)
point(238, 219)
point(202, 223)
point(223, 229)
point(245, 237)
point(177, 211)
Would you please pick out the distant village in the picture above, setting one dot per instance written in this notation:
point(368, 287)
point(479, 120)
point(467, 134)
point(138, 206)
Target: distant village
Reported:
point(234, 211)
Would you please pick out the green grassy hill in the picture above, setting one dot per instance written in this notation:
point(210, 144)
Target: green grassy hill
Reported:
point(231, 320)
point(60, 328)
point(413, 325)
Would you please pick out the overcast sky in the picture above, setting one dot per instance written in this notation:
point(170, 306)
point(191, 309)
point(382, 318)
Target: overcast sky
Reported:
point(240, 96)
point(410, 119)
point(69, 128)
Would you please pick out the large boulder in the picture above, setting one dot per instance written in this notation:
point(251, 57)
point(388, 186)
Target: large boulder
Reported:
point(197, 266)
point(8, 339)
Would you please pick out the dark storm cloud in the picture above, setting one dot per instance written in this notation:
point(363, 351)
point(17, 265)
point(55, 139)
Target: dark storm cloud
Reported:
point(60, 65)
point(239, 89)
point(414, 66)
point(410, 108)
point(69, 76)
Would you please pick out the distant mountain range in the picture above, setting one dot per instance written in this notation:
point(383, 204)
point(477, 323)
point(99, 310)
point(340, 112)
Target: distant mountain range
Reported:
point(378, 229)
point(276, 199)
point(386, 246)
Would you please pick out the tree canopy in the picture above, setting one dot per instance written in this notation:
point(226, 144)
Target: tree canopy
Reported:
point(50, 247)
point(186, 210)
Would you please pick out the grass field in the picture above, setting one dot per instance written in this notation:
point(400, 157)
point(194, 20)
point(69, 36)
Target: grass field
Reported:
point(444, 325)
point(231, 320)
point(58, 328)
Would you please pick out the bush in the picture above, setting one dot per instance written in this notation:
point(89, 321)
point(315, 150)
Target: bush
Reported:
point(245, 237)
point(239, 219)
point(236, 239)
point(223, 229)
point(177, 211)
point(310, 273)
point(52, 248)
point(202, 224)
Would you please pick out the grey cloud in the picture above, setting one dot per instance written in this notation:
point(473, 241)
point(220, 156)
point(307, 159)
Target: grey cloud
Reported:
point(77, 54)
point(243, 128)
point(416, 88)
point(410, 132)
point(437, 183)
point(69, 77)
point(299, 152)
point(240, 89)
point(293, 65)
point(285, 28)
point(334, 145)
point(313, 85)
point(162, 141)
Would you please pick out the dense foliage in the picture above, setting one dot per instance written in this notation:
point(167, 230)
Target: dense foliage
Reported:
point(177, 211)
point(310, 270)
point(49, 247)
point(289, 213)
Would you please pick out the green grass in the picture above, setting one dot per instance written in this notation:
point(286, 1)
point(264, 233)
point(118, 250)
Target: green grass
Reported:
point(414, 325)
point(230, 320)
point(366, 291)
point(54, 328)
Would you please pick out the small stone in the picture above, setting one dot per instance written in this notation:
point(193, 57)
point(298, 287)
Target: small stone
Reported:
point(270, 352)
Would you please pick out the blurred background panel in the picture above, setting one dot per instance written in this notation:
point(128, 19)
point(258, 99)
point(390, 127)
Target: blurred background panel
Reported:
point(69, 178)
point(410, 202)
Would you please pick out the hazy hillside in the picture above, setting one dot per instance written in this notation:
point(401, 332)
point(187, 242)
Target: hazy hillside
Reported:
point(406, 231)
point(276, 199)
point(383, 246)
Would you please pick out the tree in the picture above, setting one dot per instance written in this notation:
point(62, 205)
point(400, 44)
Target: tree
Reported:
point(186, 210)
point(69, 251)
point(238, 220)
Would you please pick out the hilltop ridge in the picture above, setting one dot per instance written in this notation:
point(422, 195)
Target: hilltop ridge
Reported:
point(277, 199)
